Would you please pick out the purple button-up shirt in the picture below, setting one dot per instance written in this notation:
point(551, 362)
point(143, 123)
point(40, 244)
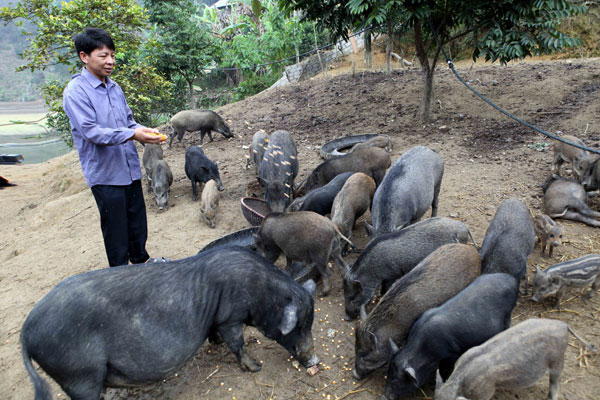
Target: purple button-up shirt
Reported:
point(102, 124)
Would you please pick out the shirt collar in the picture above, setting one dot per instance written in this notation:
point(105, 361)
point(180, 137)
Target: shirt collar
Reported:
point(93, 80)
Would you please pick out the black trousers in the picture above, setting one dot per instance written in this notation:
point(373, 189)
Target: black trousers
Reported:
point(123, 222)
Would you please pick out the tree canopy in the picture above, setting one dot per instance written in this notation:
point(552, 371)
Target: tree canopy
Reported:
point(501, 31)
point(52, 44)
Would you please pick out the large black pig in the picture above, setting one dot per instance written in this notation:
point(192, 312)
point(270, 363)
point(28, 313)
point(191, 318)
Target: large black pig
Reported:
point(131, 325)
point(199, 168)
point(278, 170)
point(408, 190)
point(442, 334)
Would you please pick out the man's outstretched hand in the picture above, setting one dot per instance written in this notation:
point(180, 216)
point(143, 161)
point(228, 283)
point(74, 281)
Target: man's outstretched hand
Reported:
point(148, 135)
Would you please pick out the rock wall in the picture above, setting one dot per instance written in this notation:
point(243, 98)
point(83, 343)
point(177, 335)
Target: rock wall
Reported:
point(313, 66)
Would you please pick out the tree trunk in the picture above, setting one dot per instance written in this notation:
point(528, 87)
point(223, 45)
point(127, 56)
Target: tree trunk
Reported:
point(425, 107)
point(191, 86)
point(428, 70)
point(368, 49)
point(389, 47)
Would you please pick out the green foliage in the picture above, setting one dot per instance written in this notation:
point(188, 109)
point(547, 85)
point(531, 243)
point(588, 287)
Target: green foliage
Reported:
point(180, 44)
point(250, 42)
point(52, 44)
point(587, 28)
point(253, 85)
point(144, 89)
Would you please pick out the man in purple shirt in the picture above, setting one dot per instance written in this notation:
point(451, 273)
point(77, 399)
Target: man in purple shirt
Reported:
point(103, 130)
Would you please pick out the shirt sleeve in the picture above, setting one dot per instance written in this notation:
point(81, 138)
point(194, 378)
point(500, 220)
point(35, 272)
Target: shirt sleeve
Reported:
point(82, 115)
point(131, 124)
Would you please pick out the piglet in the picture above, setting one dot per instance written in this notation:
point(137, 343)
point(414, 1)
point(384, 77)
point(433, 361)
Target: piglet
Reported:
point(548, 233)
point(515, 358)
point(555, 280)
point(209, 202)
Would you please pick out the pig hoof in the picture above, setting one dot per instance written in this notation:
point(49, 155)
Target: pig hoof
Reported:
point(249, 364)
point(587, 296)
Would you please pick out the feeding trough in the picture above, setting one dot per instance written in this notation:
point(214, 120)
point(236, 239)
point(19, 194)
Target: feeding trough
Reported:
point(255, 210)
point(239, 238)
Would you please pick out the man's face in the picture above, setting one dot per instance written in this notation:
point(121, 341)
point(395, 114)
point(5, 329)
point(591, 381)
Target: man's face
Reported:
point(99, 62)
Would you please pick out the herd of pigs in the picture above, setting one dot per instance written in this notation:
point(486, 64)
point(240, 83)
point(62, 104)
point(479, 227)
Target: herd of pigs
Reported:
point(445, 306)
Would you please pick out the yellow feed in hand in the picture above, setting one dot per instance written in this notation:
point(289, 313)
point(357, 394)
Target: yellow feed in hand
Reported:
point(162, 137)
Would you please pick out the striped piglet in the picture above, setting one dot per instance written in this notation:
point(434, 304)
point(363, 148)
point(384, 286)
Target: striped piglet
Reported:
point(554, 281)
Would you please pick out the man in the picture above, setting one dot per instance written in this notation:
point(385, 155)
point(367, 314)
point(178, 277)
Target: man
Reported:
point(103, 130)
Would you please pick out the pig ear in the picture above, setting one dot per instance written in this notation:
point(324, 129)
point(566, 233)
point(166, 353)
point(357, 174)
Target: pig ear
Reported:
point(356, 285)
point(310, 286)
point(363, 313)
point(537, 269)
point(213, 206)
point(289, 319)
point(374, 340)
point(393, 346)
point(410, 372)
point(438, 380)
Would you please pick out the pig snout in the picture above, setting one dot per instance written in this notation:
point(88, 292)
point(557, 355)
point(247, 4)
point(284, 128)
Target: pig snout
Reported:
point(220, 187)
point(308, 359)
point(388, 394)
point(357, 375)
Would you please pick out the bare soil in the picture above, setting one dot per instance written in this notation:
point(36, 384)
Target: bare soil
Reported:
point(51, 230)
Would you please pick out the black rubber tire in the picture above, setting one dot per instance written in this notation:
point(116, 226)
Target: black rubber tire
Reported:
point(333, 148)
point(239, 238)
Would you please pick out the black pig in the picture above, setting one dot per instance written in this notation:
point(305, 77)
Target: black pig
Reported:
point(407, 191)
point(442, 334)
point(388, 257)
point(509, 240)
point(199, 168)
point(278, 170)
point(128, 326)
point(204, 121)
point(321, 200)
point(439, 277)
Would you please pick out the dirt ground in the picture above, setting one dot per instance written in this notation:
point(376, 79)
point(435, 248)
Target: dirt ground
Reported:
point(50, 224)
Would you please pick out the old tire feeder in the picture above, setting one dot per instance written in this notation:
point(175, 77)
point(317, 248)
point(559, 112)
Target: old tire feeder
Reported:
point(335, 148)
point(242, 238)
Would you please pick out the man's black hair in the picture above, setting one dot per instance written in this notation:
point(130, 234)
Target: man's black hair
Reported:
point(91, 39)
